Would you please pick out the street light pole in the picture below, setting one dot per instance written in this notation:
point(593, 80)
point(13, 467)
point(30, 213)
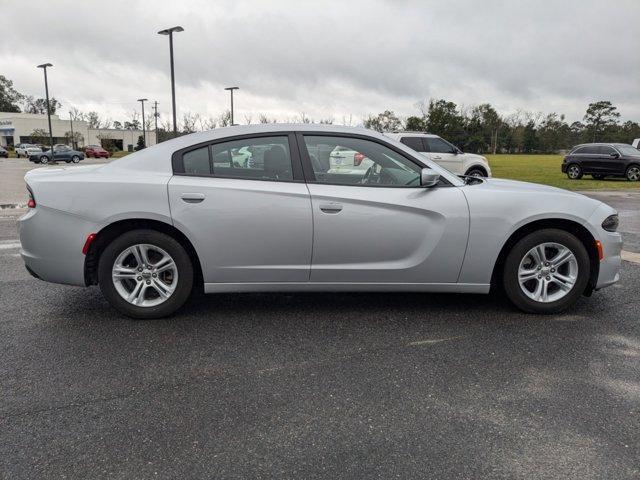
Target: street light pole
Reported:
point(144, 133)
point(155, 116)
point(169, 31)
point(46, 89)
point(73, 139)
point(231, 89)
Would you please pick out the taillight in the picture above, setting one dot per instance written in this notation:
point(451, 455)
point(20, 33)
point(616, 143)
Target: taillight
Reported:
point(358, 158)
point(31, 203)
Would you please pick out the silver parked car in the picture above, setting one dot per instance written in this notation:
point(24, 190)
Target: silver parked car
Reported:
point(149, 227)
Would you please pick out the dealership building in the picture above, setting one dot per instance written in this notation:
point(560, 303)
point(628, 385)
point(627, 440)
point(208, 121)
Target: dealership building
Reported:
point(16, 128)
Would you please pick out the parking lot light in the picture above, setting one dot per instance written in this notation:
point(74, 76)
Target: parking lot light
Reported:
point(144, 133)
point(46, 90)
point(231, 89)
point(169, 31)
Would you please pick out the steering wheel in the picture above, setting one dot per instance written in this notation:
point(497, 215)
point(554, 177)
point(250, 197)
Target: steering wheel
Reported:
point(371, 177)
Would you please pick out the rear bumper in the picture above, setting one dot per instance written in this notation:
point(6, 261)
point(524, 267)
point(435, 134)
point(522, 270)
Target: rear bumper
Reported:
point(563, 167)
point(52, 244)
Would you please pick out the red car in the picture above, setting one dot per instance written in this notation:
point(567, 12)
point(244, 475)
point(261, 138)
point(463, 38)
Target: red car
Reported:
point(96, 151)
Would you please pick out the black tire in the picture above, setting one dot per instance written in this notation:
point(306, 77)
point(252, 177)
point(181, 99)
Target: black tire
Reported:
point(158, 239)
point(598, 177)
point(574, 171)
point(476, 172)
point(511, 283)
point(75, 159)
point(44, 159)
point(633, 173)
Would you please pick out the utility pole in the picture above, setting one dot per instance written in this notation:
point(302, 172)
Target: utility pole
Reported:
point(144, 133)
point(155, 116)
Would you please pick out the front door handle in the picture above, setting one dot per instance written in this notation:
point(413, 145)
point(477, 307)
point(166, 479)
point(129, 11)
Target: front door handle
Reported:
point(436, 157)
point(331, 207)
point(192, 197)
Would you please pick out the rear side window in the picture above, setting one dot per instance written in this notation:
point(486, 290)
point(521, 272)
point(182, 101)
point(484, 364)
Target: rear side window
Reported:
point(413, 142)
point(588, 150)
point(196, 162)
point(438, 145)
point(262, 158)
point(605, 150)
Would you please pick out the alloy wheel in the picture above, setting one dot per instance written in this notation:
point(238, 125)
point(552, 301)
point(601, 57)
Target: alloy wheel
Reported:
point(145, 275)
point(574, 171)
point(633, 174)
point(548, 272)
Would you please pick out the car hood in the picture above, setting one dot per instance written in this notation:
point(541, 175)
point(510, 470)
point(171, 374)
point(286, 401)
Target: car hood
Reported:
point(475, 156)
point(533, 191)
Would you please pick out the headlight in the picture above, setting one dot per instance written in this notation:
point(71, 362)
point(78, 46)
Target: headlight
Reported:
point(610, 223)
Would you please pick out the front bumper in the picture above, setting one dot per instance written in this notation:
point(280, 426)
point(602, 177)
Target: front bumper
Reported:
point(611, 263)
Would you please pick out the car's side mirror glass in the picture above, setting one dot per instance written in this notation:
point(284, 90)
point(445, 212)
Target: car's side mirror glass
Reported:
point(615, 155)
point(429, 178)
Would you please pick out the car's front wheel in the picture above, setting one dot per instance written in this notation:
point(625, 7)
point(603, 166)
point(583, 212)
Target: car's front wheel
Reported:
point(633, 173)
point(145, 274)
point(574, 171)
point(75, 159)
point(476, 172)
point(546, 271)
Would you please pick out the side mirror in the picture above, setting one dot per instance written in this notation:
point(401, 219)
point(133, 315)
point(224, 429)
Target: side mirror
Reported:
point(615, 155)
point(429, 178)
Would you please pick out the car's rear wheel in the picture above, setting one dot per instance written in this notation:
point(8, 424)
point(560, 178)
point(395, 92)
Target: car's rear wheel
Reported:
point(145, 274)
point(633, 173)
point(75, 159)
point(476, 172)
point(546, 271)
point(44, 159)
point(574, 171)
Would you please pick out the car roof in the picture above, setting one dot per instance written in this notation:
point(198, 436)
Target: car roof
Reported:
point(147, 159)
point(397, 134)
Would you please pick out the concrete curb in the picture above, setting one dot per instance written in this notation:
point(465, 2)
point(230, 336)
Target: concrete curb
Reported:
point(8, 206)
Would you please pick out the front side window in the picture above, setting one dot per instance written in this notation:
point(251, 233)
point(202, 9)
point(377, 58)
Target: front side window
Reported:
point(263, 158)
point(354, 161)
point(413, 142)
point(628, 150)
point(438, 145)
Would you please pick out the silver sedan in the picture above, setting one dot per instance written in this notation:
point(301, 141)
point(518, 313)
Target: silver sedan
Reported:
point(185, 214)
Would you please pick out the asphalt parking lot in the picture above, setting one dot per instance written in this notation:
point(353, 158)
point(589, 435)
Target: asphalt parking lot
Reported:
point(315, 385)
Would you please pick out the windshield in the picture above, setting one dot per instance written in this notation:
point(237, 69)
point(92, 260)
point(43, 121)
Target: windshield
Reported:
point(628, 150)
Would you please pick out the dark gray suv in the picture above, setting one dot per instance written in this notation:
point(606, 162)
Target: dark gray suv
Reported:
point(602, 160)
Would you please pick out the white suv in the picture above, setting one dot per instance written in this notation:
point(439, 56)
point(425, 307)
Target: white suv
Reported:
point(444, 153)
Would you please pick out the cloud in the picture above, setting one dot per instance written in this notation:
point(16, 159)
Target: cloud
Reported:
point(328, 58)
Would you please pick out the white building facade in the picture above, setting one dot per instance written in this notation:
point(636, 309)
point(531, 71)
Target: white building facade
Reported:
point(16, 128)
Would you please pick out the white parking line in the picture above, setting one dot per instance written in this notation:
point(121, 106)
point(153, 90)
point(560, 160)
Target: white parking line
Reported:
point(9, 246)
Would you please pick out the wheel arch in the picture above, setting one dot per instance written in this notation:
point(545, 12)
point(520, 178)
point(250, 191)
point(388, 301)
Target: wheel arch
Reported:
point(477, 166)
point(573, 227)
point(108, 233)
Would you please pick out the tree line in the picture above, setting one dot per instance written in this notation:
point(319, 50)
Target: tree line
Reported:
point(482, 129)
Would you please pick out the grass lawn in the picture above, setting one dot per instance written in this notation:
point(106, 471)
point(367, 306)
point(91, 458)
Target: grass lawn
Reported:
point(546, 169)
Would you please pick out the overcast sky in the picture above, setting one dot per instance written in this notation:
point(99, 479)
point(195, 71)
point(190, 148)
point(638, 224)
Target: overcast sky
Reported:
point(329, 59)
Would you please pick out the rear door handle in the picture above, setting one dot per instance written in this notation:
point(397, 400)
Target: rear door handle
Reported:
point(192, 197)
point(331, 207)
